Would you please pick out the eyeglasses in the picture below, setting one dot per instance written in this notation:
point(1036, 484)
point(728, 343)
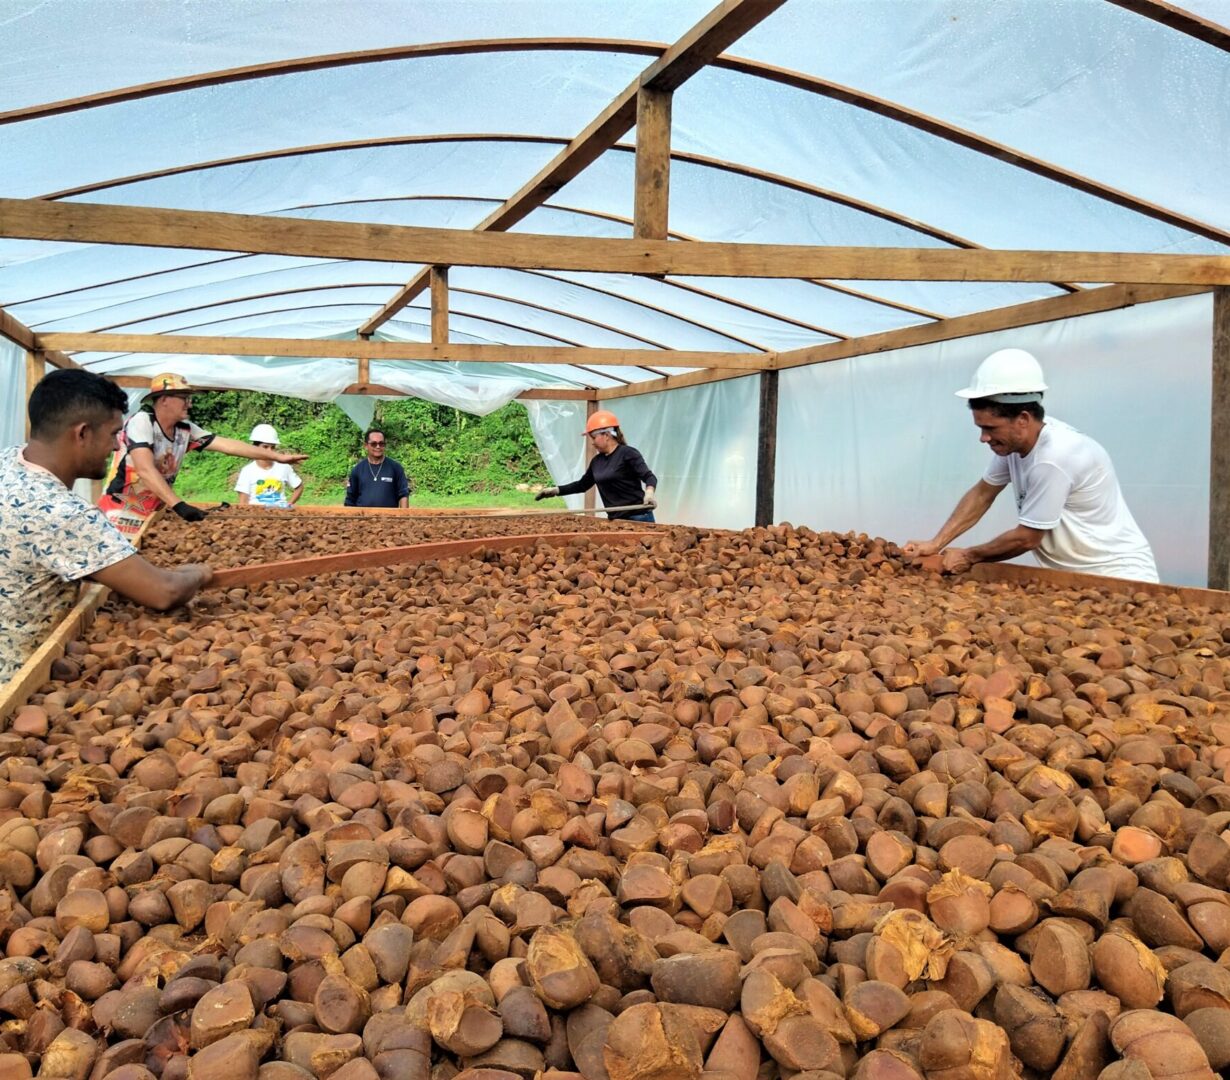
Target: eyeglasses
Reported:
point(376, 444)
point(602, 431)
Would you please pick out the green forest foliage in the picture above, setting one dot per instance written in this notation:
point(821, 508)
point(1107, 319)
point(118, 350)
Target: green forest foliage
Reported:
point(452, 458)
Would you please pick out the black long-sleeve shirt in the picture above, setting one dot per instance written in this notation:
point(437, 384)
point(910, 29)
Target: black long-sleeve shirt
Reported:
point(619, 476)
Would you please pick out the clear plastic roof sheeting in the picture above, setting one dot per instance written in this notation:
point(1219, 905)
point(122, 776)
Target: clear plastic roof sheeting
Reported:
point(1045, 124)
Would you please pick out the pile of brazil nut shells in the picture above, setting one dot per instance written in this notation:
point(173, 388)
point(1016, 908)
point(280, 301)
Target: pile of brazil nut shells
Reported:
point(240, 536)
point(719, 805)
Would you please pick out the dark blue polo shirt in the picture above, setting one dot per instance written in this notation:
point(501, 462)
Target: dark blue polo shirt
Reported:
point(376, 485)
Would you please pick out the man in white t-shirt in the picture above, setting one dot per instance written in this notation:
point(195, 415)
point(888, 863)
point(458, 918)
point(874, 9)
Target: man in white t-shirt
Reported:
point(266, 482)
point(1070, 511)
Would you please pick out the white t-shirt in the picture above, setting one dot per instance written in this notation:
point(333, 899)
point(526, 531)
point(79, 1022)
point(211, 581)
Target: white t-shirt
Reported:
point(1066, 486)
point(267, 487)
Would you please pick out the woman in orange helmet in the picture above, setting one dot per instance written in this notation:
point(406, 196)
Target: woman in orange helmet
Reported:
point(618, 469)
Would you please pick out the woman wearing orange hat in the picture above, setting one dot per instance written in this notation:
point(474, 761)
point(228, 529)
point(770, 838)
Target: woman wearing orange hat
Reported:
point(617, 468)
point(152, 446)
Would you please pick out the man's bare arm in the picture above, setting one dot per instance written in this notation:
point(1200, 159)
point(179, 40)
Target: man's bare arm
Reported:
point(968, 512)
point(140, 580)
point(1007, 545)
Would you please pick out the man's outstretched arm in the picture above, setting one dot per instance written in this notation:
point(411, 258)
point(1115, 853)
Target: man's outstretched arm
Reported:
point(968, 512)
point(140, 580)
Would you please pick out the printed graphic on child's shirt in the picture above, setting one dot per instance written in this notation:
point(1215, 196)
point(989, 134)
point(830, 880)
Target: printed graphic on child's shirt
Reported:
point(269, 491)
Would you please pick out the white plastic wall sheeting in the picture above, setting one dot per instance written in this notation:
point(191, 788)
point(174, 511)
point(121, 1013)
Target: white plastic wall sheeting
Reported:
point(447, 384)
point(1083, 84)
point(879, 444)
point(120, 44)
point(558, 427)
point(701, 443)
point(12, 394)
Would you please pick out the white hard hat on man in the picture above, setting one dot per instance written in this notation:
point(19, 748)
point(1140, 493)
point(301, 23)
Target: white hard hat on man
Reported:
point(1010, 376)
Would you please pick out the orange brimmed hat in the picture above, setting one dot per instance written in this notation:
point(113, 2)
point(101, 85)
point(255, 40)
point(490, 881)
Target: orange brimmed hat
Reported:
point(601, 419)
point(168, 383)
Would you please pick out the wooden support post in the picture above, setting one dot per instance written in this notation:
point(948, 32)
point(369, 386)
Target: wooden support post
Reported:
point(1219, 445)
point(653, 163)
point(766, 449)
point(439, 305)
point(35, 367)
point(365, 371)
point(591, 407)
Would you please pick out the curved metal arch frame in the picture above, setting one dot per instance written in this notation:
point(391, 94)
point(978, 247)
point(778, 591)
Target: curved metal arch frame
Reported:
point(845, 290)
point(414, 307)
point(746, 171)
point(467, 292)
point(799, 80)
point(473, 292)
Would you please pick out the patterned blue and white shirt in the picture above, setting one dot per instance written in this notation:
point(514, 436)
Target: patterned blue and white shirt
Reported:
point(49, 540)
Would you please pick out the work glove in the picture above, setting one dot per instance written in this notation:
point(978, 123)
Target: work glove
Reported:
point(546, 493)
point(650, 498)
point(187, 512)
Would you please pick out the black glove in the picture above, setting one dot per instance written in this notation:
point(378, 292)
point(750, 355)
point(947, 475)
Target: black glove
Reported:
point(187, 512)
point(546, 493)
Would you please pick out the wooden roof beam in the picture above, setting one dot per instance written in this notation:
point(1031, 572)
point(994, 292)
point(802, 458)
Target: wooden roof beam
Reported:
point(33, 219)
point(1087, 302)
point(455, 352)
point(377, 390)
point(14, 330)
point(723, 26)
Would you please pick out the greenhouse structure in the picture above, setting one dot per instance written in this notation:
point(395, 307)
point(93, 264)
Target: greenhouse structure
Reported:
point(773, 236)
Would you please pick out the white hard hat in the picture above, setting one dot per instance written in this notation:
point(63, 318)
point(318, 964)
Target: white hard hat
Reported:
point(264, 433)
point(1012, 376)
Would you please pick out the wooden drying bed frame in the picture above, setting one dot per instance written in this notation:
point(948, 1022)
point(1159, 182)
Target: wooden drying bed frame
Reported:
point(1015, 574)
point(241, 576)
point(35, 671)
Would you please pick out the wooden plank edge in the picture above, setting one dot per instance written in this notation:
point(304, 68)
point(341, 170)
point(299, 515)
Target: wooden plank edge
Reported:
point(34, 672)
point(242, 576)
point(1014, 574)
point(427, 512)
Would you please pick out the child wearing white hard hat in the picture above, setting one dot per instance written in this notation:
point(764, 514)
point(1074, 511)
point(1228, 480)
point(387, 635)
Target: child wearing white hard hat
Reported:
point(265, 482)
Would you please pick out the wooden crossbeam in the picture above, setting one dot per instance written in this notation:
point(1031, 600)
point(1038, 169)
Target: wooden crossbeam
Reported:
point(32, 219)
point(579, 393)
point(720, 28)
point(1088, 302)
point(14, 330)
point(457, 352)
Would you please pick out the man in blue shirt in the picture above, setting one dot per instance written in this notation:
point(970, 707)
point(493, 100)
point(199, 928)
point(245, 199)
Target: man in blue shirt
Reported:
point(377, 480)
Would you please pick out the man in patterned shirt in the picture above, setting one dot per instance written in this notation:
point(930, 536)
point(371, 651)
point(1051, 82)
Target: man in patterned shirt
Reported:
point(50, 538)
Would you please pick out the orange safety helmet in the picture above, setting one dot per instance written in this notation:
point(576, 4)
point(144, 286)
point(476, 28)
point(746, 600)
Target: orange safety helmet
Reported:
point(168, 383)
point(601, 419)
